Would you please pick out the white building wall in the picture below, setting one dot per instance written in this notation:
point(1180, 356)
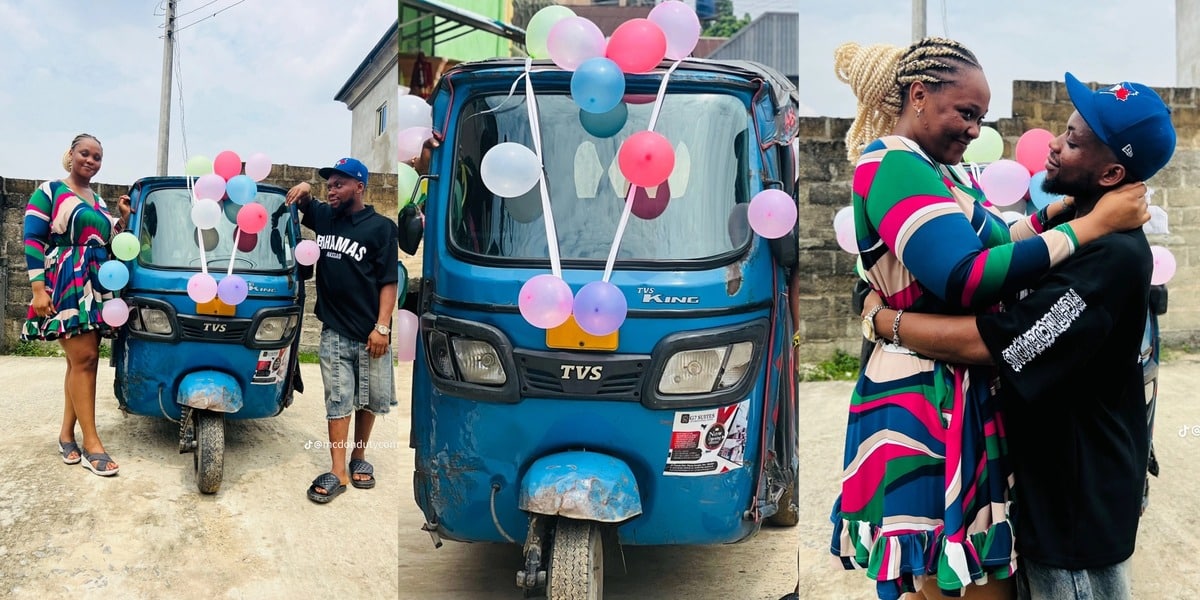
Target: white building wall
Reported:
point(1187, 43)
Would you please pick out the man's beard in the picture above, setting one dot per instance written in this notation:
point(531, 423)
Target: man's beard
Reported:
point(342, 209)
point(1075, 189)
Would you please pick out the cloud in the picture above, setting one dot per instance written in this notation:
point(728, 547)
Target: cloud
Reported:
point(259, 77)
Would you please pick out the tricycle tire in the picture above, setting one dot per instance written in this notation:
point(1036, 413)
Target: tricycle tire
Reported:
point(209, 457)
point(576, 562)
point(788, 514)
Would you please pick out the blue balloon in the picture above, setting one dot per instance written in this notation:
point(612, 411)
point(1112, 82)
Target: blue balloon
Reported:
point(598, 85)
point(113, 275)
point(241, 189)
point(1037, 197)
point(604, 125)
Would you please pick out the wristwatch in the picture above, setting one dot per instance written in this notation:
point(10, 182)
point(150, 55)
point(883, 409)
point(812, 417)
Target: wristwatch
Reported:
point(382, 329)
point(868, 324)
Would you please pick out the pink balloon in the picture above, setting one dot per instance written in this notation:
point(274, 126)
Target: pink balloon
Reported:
point(637, 46)
point(258, 166)
point(411, 141)
point(307, 252)
point(252, 217)
point(772, 213)
point(1164, 265)
point(1004, 182)
point(210, 186)
point(227, 164)
point(115, 312)
point(202, 288)
point(681, 26)
point(574, 40)
point(646, 158)
point(1032, 149)
point(844, 214)
point(545, 301)
point(846, 240)
point(407, 327)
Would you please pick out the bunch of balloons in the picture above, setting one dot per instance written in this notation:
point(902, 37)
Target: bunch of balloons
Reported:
point(218, 180)
point(416, 127)
point(546, 301)
point(114, 276)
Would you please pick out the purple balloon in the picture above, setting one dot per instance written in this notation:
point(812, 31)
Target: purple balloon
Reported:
point(772, 213)
point(600, 308)
point(232, 290)
point(411, 141)
point(307, 252)
point(210, 186)
point(681, 26)
point(407, 326)
point(545, 301)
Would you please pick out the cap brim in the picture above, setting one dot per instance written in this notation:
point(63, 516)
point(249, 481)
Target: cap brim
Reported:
point(325, 172)
point(1084, 99)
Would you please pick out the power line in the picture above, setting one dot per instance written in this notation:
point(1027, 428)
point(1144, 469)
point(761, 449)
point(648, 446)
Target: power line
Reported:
point(209, 16)
point(198, 8)
point(182, 113)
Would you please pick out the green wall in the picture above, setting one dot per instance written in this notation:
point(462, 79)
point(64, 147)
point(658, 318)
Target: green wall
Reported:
point(472, 44)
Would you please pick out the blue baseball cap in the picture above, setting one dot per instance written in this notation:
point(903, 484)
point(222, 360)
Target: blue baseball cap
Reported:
point(1131, 119)
point(350, 167)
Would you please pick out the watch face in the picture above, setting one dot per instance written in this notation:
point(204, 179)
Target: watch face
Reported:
point(868, 330)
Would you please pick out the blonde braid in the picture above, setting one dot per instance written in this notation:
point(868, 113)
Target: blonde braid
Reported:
point(66, 159)
point(871, 73)
point(880, 74)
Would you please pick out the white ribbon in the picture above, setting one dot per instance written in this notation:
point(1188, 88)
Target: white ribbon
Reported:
point(535, 130)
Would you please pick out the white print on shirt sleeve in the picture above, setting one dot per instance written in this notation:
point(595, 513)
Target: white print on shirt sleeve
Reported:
point(1041, 336)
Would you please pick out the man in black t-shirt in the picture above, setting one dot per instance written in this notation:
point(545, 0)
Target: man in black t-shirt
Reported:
point(356, 294)
point(1068, 360)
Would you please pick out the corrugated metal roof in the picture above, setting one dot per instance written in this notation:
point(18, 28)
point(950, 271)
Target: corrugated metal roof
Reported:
point(772, 39)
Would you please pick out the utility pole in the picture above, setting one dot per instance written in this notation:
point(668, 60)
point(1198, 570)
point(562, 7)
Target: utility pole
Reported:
point(918, 19)
point(164, 103)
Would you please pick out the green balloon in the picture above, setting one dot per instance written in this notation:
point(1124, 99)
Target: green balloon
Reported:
point(986, 148)
point(198, 165)
point(406, 179)
point(125, 246)
point(538, 31)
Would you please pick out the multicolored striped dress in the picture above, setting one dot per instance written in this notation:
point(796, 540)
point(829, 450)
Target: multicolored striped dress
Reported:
point(65, 239)
point(926, 480)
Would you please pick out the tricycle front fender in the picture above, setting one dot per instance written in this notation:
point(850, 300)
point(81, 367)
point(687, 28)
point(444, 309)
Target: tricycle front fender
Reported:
point(581, 485)
point(210, 390)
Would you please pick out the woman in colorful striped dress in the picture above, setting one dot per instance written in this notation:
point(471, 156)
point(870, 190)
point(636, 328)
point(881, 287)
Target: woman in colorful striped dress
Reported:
point(924, 498)
point(67, 229)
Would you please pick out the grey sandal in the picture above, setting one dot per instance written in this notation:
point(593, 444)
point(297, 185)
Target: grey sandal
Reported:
point(105, 461)
point(359, 466)
point(66, 448)
point(330, 483)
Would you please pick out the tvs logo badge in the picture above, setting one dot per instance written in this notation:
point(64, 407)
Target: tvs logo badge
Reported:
point(1122, 91)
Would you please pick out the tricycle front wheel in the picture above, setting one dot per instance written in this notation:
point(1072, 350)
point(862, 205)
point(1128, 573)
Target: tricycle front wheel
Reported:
point(576, 562)
point(209, 457)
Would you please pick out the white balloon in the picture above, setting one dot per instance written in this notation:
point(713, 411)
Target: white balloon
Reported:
point(510, 169)
point(412, 111)
point(206, 213)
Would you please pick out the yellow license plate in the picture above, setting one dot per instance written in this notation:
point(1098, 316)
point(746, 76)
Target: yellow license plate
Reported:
point(215, 307)
point(569, 336)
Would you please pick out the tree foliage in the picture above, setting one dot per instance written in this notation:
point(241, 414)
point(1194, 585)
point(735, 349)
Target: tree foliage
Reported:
point(725, 24)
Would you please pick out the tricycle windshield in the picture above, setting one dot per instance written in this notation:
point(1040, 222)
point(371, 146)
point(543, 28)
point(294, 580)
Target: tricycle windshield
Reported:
point(698, 213)
point(169, 238)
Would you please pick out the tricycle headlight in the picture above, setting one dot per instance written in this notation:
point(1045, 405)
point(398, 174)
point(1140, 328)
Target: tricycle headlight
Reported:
point(706, 370)
point(153, 320)
point(478, 362)
point(273, 329)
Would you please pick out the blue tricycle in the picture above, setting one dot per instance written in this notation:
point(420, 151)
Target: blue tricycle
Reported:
point(678, 428)
point(198, 363)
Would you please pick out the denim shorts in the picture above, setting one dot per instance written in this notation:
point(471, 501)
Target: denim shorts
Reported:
point(353, 380)
point(1040, 582)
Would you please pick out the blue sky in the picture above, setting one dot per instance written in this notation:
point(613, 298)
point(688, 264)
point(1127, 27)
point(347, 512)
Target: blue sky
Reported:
point(256, 78)
point(1097, 40)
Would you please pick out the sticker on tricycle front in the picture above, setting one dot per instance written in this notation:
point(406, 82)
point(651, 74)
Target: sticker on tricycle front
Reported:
point(708, 442)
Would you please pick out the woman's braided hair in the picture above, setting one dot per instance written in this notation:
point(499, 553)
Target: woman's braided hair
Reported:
point(66, 159)
point(879, 76)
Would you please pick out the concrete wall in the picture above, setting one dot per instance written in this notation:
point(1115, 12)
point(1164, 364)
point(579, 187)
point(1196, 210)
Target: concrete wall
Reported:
point(377, 86)
point(1187, 43)
point(828, 272)
point(14, 282)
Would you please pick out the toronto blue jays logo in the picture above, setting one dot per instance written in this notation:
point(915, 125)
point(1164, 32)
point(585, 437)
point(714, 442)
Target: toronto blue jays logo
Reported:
point(1122, 91)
